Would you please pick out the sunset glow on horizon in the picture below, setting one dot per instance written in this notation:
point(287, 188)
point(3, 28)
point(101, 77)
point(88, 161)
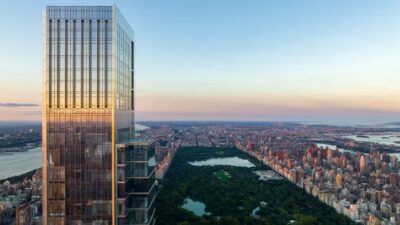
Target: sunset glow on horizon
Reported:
point(231, 60)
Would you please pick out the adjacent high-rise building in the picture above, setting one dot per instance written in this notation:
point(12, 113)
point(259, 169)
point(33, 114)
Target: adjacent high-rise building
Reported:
point(140, 185)
point(362, 164)
point(88, 121)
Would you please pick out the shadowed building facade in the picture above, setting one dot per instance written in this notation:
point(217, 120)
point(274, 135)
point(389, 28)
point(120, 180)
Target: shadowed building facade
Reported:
point(88, 116)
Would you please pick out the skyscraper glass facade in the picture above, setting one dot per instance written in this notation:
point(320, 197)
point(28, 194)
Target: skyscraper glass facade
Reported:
point(140, 183)
point(88, 109)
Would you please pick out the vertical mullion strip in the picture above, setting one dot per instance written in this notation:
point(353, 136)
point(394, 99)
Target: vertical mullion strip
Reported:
point(50, 63)
point(132, 100)
point(98, 63)
point(90, 63)
point(66, 64)
point(74, 64)
point(105, 64)
point(132, 76)
point(58, 63)
point(82, 62)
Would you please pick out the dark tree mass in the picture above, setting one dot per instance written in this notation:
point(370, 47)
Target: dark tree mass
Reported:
point(232, 199)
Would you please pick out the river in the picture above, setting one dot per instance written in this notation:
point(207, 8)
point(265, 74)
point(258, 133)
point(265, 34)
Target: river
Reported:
point(334, 147)
point(385, 139)
point(20, 162)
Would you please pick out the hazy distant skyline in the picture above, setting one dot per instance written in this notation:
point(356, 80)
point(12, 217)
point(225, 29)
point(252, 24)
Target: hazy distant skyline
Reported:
point(333, 61)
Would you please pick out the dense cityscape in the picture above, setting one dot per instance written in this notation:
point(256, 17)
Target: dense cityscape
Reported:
point(361, 185)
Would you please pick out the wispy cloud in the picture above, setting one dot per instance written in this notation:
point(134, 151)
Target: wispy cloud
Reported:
point(32, 113)
point(14, 104)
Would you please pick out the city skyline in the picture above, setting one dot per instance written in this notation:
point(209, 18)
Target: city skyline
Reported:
point(308, 61)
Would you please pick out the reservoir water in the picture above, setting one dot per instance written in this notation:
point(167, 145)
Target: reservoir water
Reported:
point(227, 161)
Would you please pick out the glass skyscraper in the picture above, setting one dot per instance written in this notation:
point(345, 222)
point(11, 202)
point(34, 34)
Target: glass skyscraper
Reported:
point(140, 185)
point(88, 118)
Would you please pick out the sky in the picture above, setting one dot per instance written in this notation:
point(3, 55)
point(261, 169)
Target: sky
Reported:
point(324, 61)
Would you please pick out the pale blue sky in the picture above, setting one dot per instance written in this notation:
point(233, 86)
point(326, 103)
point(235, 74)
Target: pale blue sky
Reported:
point(239, 60)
